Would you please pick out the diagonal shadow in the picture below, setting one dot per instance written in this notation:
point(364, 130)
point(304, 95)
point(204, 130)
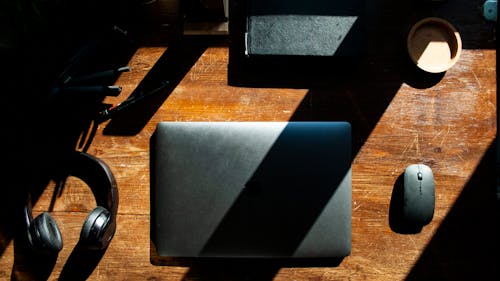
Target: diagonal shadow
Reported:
point(287, 202)
point(379, 33)
point(282, 59)
point(298, 180)
point(358, 91)
point(466, 245)
point(313, 107)
point(44, 125)
point(81, 263)
point(158, 84)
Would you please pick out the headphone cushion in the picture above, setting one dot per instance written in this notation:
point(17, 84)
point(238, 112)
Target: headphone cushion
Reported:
point(96, 231)
point(44, 234)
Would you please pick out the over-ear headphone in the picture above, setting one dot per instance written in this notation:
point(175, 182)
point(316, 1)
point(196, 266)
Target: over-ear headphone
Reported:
point(99, 226)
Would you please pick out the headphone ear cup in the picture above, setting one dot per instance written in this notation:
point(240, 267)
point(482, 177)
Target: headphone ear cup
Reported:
point(96, 231)
point(44, 234)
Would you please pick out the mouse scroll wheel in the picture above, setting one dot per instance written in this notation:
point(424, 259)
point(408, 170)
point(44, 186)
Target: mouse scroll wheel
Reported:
point(419, 176)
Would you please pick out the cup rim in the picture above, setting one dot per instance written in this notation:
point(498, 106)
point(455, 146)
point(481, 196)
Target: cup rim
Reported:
point(452, 39)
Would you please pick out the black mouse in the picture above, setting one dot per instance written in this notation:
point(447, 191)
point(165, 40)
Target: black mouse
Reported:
point(418, 194)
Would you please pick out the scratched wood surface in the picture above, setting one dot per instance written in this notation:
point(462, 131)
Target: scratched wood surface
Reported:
point(449, 126)
point(447, 122)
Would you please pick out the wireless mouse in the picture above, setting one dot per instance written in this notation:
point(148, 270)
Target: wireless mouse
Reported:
point(418, 194)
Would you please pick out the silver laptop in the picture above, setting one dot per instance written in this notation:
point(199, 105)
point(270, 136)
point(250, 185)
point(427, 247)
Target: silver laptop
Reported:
point(251, 189)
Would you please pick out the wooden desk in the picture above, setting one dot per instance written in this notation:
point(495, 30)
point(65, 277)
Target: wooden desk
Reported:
point(450, 125)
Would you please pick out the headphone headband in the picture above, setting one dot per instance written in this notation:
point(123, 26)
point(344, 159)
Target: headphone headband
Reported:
point(98, 176)
point(100, 225)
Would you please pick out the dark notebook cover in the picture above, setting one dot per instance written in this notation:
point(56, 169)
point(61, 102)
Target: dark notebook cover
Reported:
point(304, 27)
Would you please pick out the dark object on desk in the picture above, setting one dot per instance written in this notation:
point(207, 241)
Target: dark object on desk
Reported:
point(251, 189)
point(93, 83)
point(418, 195)
point(280, 43)
point(302, 28)
point(109, 112)
point(130, 117)
point(99, 227)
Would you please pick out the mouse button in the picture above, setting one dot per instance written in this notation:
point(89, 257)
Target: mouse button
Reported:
point(425, 170)
point(410, 176)
point(413, 169)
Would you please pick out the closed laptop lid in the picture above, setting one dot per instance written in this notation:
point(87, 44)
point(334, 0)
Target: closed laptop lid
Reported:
point(251, 189)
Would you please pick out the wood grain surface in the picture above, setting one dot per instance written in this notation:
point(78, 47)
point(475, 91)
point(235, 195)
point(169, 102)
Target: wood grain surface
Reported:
point(399, 116)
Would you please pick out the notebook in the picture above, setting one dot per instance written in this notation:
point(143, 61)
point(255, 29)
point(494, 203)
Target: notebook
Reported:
point(251, 189)
point(305, 28)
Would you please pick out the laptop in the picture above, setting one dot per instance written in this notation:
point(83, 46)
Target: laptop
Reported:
point(251, 189)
